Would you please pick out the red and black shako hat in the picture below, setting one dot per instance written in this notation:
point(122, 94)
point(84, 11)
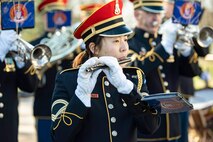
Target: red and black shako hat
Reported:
point(153, 6)
point(106, 21)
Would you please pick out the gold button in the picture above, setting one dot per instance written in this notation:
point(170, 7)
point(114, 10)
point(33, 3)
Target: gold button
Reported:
point(146, 35)
point(160, 67)
point(1, 105)
point(114, 133)
point(113, 119)
point(163, 75)
point(1, 115)
point(154, 43)
point(106, 83)
point(110, 106)
point(108, 95)
point(165, 83)
point(124, 104)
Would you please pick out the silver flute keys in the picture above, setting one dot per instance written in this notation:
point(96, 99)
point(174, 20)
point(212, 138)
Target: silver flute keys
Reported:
point(98, 66)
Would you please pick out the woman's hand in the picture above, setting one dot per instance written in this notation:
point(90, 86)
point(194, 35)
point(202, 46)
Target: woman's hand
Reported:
point(86, 81)
point(115, 74)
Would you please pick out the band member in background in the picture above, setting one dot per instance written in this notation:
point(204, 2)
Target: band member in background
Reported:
point(186, 84)
point(105, 104)
point(44, 89)
point(161, 63)
point(13, 75)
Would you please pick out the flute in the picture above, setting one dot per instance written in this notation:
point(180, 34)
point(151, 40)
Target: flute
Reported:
point(98, 66)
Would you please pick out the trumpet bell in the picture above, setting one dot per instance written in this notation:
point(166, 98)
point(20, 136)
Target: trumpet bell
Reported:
point(40, 55)
point(205, 37)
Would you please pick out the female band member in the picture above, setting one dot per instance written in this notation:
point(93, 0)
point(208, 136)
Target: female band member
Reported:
point(103, 105)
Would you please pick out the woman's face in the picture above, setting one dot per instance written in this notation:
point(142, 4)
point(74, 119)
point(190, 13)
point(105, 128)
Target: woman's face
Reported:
point(113, 46)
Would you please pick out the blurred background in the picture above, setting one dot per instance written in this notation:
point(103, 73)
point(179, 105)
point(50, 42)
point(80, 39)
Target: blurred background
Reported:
point(207, 20)
point(27, 128)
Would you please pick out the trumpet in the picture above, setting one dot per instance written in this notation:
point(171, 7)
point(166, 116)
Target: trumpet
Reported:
point(39, 55)
point(62, 43)
point(204, 38)
point(99, 66)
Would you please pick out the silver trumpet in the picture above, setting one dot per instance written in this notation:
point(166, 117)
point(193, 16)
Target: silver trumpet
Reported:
point(39, 55)
point(204, 37)
point(62, 45)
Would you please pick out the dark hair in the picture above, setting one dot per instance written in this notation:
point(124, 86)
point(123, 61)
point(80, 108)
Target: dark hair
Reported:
point(85, 55)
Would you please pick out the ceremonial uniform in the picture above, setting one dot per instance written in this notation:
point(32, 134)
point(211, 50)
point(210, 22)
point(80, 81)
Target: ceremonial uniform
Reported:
point(162, 72)
point(10, 81)
point(104, 105)
point(162, 76)
point(109, 116)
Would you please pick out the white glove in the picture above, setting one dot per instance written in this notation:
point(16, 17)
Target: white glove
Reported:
point(169, 35)
point(205, 76)
point(86, 81)
point(7, 37)
point(115, 74)
point(183, 48)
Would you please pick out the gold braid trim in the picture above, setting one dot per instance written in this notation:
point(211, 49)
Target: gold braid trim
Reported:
point(152, 57)
point(140, 80)
point(63, 116)
point(142, 57)
point(194, 58)
point(151, 54)
point(30, 70)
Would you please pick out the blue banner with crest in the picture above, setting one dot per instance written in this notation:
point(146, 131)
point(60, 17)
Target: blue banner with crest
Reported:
point(17, 14)
point(187, 12)
point(59, 18)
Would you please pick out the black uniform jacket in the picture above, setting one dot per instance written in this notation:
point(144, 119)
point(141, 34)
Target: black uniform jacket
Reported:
point(9, 84)
point(110, 118)
point(162, 75)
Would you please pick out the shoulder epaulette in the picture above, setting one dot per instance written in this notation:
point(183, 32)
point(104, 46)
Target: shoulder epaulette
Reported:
point(136, 73)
